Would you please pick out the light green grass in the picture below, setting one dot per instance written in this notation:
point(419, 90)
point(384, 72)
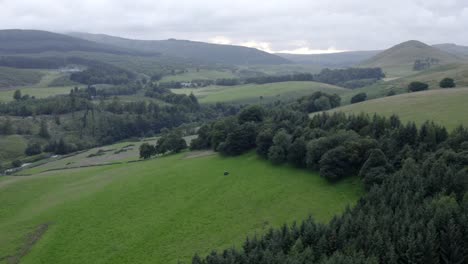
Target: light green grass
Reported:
point(202, 74)
point(162, 210)
point(251, 93)
point(7, 96)
point(447, 107)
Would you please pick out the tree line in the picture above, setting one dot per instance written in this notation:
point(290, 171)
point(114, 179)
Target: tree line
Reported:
point(415, 209)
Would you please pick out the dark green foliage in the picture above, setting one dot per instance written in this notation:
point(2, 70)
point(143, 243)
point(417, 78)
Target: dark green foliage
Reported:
point(264, 141)
point(171, 142)
point(240, 140)
point(16, 163)
point(279, 150)
point(375, 169)
point(44, 130)
point(147, 150)
point(360, 97)
point(415, 209)
point(447, 83)
point(391, 93)
point(17, 95)
point(417, 86)
point(335, 164)
point(103, 73)
point(297, 152)
point(33, 149)
point(318, 101)
point(253, 113)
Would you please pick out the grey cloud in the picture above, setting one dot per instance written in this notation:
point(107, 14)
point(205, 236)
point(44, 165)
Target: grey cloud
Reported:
point(284, 25)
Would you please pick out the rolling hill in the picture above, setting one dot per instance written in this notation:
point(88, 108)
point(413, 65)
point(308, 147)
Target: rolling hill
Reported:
point(259, 93)
point(332, 60)
point(162, 210)
point(16, 41)
point(453, 48)
point(399, 60)
point(444, 106)
point(200, 51)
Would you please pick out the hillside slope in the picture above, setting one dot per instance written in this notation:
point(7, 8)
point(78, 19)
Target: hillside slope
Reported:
point(16, 41)
point(399, 60)
point(159, 211)
point(453, 48)
point(331, 60)
point(211, 53)
point(447, 107)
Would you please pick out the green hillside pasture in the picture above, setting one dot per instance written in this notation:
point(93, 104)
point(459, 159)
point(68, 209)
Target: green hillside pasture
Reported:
point(202, 74)
point(118, 152)
point(447, 107)
point(459, 72)
point(11, 77)
point(7, 95)
point(159, 211)
point(12, 147)
point(258, 93)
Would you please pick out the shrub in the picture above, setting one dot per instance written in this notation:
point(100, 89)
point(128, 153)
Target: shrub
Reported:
point(16, 163)
point(360, 97)
point(447, 83)
point(417, 86)
point(33, 149)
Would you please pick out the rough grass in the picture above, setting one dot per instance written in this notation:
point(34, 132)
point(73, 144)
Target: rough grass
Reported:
point(7, 96)
point(459, 72)
point(11, 77)
point(160, 211)
point(12, 147)
point(257, 93)
point(445, 106)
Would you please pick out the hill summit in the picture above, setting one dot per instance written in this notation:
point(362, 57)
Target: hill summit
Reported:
point(410, 56)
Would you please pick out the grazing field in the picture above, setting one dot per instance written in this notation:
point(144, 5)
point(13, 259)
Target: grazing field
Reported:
point(192, 74)
point(11, 147)
point(158, 211)
point(445, 106)
point(258, 93)
point(459, 72)
point(7, 95)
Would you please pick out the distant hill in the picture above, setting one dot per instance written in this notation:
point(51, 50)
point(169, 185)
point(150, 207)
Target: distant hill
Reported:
point(400, 59)
point(200, 51)
point(453, 49)
point(444, 106)
point(16, 41)
point(331, 60)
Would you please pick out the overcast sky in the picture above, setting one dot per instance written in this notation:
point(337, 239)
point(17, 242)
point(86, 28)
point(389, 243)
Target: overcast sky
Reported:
point(300, 26)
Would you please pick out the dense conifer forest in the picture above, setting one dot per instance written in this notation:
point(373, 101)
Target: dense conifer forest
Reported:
point(415, 209)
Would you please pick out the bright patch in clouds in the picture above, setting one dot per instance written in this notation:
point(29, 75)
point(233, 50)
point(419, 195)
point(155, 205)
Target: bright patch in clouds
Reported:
point(267, 46)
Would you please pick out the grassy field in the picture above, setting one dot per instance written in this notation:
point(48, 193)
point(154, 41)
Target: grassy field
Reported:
point(202, 74)
point(444, 106)
point(459, 72)
point(7, 96)
point(12, 147)
point(158, 211)
point(252, 93)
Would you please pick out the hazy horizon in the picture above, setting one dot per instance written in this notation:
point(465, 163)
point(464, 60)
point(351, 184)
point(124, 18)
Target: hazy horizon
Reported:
point(298, 26)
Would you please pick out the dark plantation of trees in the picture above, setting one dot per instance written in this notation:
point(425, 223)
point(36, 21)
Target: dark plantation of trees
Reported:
point(103, 73)
point(415, 209)
point(349, 78)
